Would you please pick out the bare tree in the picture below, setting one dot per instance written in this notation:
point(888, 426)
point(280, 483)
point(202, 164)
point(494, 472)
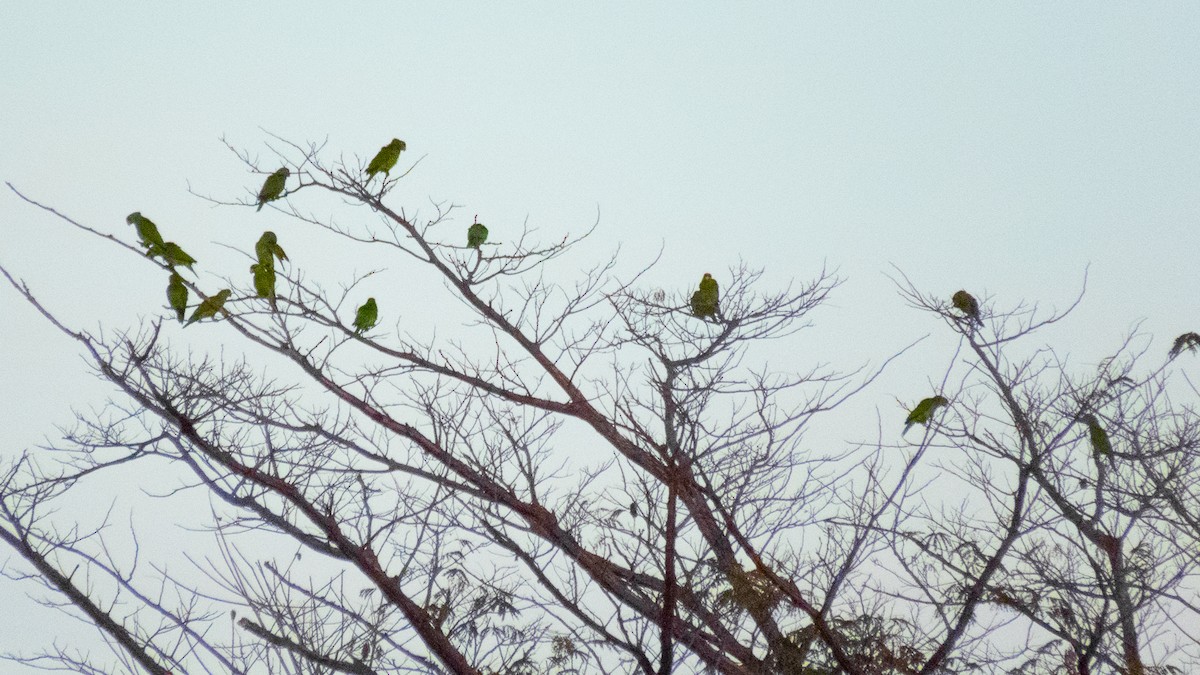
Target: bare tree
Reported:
point(587, 477)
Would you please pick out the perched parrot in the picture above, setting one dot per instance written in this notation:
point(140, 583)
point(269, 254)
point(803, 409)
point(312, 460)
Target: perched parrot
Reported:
point(366, 317)
point(386, 158)
point(264, 280)
point(1101, 446)
point(705, 299)
point(177, 295)
point(173, 255)
point(267, 246)
point(210, 306)
point(967, 304)
point(710, 290)
point(146, 229)
point(272, 188)
point(476, 234)
point(924, 411)
point(1185, 342)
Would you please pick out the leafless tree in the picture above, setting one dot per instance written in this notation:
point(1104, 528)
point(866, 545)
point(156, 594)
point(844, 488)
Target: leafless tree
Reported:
point(586, 477)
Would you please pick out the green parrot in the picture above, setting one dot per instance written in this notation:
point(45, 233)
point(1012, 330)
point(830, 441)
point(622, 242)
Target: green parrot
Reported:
point(366, 317)
point(1101, 446)
point(173, 255)
point(923, 412)
point(704, 300)
point(272, 188)
point(476, 234)
point(967, 304)
point(267, 246)
point(209, 307)
point(146, 229)
point(1185, 342)
point(264, 280)
point(177, 295)
point(386, 158)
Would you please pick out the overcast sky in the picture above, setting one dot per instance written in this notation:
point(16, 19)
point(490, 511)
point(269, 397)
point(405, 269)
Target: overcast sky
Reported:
point(1001, 148)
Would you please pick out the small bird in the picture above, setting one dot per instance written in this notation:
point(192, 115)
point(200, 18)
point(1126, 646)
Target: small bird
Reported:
point(476, 234)
point(706, 298)
point(386, 158)
point(210, 306)
point(923, 411)
point(1185, 342)
point(146, 229)
point(173, 255)
point(967, 304)
point(177, 295)
point(366, 317)
point(268, 246)
point(272, 188)
point(264, 280)
point(1101, 445)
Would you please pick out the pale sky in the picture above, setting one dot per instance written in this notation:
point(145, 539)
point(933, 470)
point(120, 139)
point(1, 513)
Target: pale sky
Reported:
point(1001, 148)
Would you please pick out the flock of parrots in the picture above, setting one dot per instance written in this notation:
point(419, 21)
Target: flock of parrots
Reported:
point(966, 303)
point(267, 250)
point(704, 302)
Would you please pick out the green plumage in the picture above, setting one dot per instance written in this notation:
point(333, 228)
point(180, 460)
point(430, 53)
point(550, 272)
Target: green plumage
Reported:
point(707, 298)
point(1185, 342)
point(268, 247)
point(366, 317)
point(264, 280)
point(477, 234)
point(209, 307)
point(177, 295)
point(173, 255)
point(1101, 445)
point(923, 411)
point(386, 158)
point(967, 304)
point(273, 187)
point(147, 231)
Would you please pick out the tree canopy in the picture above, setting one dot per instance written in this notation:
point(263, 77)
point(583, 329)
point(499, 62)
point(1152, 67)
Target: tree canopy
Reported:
point(594, 474)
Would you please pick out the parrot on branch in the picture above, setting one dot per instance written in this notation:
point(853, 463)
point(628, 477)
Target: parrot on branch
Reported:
point(476, 234)
point(1101, 445)
point(706, 298)
point(177, 295)
point(272, 188)
point(967, 304)
point(923, 411)
point(268, 246)
point(209, 307)
point(264, 280)
point(386, 158)
point(366, 317)
point(147, 231)
point(1185, 342)
point(173, 255)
